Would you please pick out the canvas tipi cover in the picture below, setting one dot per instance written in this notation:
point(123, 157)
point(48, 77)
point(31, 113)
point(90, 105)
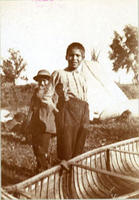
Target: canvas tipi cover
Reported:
point(105, 98)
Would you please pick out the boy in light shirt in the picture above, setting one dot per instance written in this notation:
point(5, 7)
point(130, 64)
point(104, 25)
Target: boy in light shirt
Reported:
point(72, 120)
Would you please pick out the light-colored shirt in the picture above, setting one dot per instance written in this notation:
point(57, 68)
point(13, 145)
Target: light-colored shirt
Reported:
point(67, 84)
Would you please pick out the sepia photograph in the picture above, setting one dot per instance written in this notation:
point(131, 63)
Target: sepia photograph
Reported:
point(69, 99)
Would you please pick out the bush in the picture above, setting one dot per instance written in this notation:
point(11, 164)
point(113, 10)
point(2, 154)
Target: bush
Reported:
point(130, 90)
point(21, 97)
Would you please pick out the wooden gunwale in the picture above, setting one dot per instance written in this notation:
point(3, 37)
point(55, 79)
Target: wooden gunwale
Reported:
point(34, 179)
point(7, 196)
point(97, 158)
point(121, 151)
point(72, 161)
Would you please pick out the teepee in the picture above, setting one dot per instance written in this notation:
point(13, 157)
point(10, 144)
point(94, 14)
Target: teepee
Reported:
point(105, 98)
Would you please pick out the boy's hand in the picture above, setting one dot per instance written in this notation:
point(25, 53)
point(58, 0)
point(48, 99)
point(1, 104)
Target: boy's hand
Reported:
point(50, 103)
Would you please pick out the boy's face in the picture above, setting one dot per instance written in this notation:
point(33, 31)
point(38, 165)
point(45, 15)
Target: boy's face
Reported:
point(74, 58)
point(43, 81)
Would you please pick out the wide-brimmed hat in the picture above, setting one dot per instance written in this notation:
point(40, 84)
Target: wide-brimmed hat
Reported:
point(42, 74)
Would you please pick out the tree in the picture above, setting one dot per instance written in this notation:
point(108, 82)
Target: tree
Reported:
point(13, 66)
point(124, 51)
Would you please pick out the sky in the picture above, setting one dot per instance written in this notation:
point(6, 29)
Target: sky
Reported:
point(42, 29)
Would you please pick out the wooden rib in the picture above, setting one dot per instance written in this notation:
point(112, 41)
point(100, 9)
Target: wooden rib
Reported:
point(134, 167)
point(74, 192)
point(115, 163)
point(57, 183)
point(137, 146)
point(37, 189)
point(57, 186)
point(135, 158)
point(44, 189)
point(137, 150)
point(41, 188)
point(100, 188)
point(102, 160)
point(128, 158)
point(125, 161)
point(120, 164)
point(64, 184)
point(84, 183)
point(77, 188)
point(60, 187)
point(51, 187)
point(96, 186)
point(100, 185)
point(54, 185)
point(69, 183)
point(80, 183)
point(92, 191)
point(47, 190)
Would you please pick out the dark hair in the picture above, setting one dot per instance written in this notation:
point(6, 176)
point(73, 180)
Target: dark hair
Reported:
point(76, 45)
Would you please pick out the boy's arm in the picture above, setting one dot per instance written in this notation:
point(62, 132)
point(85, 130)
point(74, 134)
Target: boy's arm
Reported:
point(30, 112)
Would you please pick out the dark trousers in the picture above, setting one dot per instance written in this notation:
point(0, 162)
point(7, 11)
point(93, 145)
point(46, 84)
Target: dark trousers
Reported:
point(42, 131)
point(40, 141)
point(72, 127)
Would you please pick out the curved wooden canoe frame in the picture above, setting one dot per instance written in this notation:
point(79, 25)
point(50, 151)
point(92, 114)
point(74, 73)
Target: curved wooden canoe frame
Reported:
point(110, 171)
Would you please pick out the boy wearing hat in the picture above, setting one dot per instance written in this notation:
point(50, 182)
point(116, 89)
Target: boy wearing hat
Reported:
point(41, 120)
